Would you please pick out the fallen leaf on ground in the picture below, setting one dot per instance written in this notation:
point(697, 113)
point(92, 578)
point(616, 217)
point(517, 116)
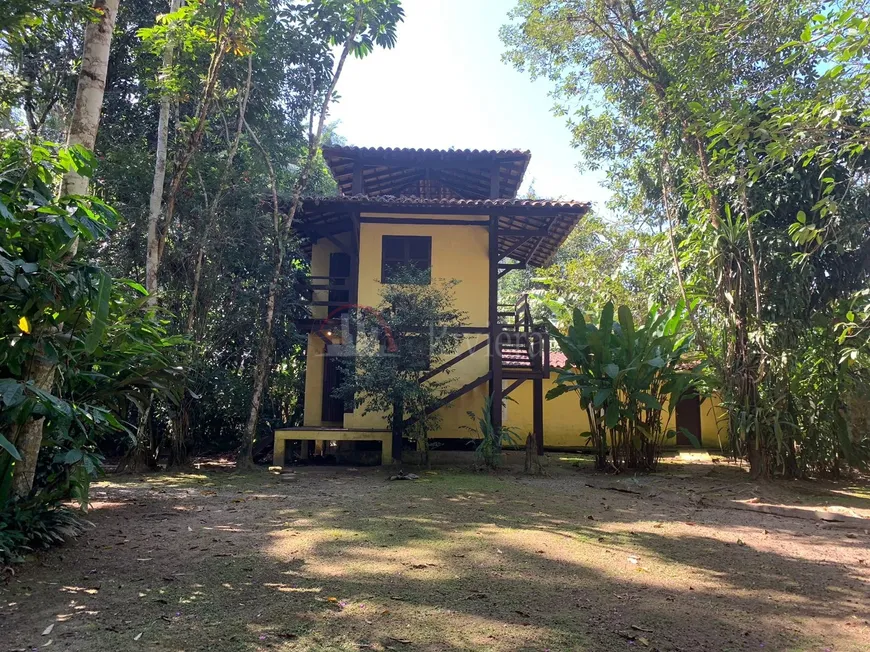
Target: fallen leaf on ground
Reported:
point(47, 630)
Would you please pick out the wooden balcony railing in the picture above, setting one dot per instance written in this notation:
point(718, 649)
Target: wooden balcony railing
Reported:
point(338, 287)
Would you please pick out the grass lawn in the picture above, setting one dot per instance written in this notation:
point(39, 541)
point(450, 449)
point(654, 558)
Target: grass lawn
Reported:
point(333, 558)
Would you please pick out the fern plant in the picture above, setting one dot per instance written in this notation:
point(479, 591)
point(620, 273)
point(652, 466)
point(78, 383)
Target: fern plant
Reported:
point(35, 524)
point(490, 442)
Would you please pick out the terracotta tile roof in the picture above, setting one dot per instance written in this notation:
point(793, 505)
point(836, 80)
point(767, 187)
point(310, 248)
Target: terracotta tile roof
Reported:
point(558, 360)
point(568, 206)
point(552, 219)
point(448, 173)
point(425, 151)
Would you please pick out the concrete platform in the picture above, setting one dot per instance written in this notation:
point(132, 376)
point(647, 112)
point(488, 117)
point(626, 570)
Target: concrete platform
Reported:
point(284, 435)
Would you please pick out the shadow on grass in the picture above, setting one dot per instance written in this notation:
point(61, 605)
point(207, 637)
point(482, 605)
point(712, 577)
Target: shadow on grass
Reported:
point(342, 561)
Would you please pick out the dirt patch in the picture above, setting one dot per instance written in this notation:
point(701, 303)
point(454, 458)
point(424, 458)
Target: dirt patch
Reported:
point(341, 559)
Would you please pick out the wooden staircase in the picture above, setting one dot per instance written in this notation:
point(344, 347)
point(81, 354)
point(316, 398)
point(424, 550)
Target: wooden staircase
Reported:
point(521, 348)
point(452, 396)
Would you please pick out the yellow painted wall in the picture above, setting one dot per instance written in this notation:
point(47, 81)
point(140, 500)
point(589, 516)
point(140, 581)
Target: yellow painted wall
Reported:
point(565, 420)
point(458, 252)
point(320, 267)
point(313, 409)
point(714, 424)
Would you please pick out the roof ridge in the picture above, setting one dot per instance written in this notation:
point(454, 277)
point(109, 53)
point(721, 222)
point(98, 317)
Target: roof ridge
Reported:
point(413, 199)
point(426, 150)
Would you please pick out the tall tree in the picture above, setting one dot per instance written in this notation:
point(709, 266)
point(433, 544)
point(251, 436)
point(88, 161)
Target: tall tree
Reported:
point(82, 133)
point(155, 201)
point(359, 25)
point(91, 86)
point(686, 104)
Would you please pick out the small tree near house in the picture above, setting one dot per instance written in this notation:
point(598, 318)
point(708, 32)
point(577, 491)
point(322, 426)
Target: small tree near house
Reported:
point(396, 344)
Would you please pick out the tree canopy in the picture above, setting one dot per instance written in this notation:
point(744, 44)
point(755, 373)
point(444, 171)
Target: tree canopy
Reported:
point(739, 129)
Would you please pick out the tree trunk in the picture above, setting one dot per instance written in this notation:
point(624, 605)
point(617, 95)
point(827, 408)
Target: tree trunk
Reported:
point(283, 229)
point(143, 456)
point(155, 202)
point(397, 425)
point(83, 132)
point(757, 461)
point(245, 457)
point(163, 221)
point(29, 438)
point(178, 453)
point(90, 89)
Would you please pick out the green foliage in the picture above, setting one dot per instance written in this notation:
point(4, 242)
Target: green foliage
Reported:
point(101, 350)
point(625, 376)
point(490, 442)
point(292, 60)
point(600, 261)
point(396, 343)
point(38, 61)
point(30, 526)
point(740, 130)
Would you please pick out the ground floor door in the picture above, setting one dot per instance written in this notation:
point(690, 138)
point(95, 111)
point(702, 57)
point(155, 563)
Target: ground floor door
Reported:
point(688, 417)
point(333, 408)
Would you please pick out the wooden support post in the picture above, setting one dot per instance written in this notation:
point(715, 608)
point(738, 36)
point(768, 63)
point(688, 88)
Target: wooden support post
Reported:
point(538, 413)
point(495, 365)
point(398, 427)
point(357, 187)
point(354, 257)
point(349, 318)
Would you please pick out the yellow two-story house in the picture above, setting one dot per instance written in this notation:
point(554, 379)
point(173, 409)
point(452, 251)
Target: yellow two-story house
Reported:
point(456, 213)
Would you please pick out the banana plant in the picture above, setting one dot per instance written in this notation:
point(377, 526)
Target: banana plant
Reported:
point(628, 379)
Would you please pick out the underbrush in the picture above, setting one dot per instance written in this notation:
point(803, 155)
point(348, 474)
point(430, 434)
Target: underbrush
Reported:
point(28, 526)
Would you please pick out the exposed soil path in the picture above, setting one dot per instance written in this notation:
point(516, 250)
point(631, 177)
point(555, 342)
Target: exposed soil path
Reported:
point(340, 559)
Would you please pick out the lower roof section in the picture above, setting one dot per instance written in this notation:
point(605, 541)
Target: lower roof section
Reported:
point(530, 230)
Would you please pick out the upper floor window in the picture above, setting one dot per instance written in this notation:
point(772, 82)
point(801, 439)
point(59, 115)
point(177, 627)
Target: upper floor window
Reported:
point(401, 252)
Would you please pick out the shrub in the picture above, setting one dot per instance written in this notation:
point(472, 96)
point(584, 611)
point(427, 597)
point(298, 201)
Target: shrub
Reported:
point(625, 376)
point(489, 442)
point(27, 526)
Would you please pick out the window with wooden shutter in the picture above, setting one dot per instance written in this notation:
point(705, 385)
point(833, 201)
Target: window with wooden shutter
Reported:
point(400, 252)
